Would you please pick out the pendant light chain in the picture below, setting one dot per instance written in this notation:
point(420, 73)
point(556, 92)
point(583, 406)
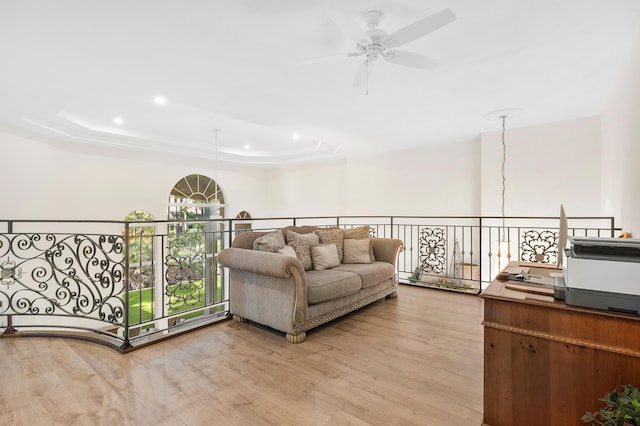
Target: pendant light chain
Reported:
point(215, 163)
point(504, 160)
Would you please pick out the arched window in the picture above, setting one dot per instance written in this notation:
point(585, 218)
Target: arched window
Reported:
point(243, 222)
point(192, 276)
point(196, 197)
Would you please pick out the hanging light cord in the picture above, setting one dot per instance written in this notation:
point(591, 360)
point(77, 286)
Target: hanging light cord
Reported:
point(504, 160)
point(215, 163)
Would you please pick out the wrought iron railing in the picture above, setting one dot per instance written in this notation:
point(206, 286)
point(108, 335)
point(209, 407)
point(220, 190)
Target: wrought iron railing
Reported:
point(123, 284)
point(466, 253)
point(127, 284)
point(461, 253)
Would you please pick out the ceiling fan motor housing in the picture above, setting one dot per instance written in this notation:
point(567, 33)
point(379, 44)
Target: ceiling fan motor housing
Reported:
point(374, 48)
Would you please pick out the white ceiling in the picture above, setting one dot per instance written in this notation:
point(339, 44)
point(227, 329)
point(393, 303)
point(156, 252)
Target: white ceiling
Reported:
point(69, 67)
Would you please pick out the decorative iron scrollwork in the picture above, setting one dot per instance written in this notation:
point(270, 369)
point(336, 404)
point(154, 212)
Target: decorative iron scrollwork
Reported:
point(185, 265)
point(539, 246)
point(9, 272)
point(141, 277)
point(56, 274)
point(433, 250)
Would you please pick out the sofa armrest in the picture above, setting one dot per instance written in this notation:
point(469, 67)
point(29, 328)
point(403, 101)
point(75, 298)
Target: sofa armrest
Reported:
point(260, 262)
point(259, 273)
point(387, 250)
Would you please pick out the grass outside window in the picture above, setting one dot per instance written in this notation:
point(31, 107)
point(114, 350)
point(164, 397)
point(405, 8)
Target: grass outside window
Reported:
point(141, 303)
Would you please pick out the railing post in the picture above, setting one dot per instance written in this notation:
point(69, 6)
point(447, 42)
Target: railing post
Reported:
point(126, 344)
point(10, 329)
point(481, 255)
point(613, 227)
point(391, 222)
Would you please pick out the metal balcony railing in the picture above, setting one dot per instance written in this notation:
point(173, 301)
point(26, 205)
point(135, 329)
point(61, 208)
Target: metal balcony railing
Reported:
point(128, 284)
point(123, 284)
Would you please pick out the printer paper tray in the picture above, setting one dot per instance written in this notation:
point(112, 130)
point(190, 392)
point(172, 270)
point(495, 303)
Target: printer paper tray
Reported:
point(615, 302)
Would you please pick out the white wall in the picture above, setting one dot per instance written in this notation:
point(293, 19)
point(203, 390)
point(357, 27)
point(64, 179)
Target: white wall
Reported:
point(428, 181)
point(433, 180)
point(546, 165)
point(41, 181)
point(308, 190)
point(621, 146)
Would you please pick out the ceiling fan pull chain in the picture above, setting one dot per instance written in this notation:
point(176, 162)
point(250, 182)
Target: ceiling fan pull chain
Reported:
point(367, 89)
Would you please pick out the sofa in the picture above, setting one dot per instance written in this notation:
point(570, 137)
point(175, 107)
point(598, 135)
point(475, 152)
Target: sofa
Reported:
point(296, 278)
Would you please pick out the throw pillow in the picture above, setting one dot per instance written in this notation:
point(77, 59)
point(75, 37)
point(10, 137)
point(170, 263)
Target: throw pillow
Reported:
point(324, 256)
point(332, 236)
point(357, 251)
point(359, 232)
point(270, 242)
point(302, 244)
point(288, 251)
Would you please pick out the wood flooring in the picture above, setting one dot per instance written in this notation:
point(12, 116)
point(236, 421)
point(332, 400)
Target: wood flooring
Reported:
point(414, 360)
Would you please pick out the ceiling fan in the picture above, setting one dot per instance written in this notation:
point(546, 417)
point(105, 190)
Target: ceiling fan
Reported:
point(373, 43)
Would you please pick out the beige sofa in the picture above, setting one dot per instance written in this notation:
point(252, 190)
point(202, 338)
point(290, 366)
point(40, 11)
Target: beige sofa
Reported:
point(281, 291)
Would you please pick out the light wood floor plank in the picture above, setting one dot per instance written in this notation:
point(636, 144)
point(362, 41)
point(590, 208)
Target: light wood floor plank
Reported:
point(414, 360)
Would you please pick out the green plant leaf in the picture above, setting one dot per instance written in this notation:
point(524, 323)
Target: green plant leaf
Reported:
point(620, 408)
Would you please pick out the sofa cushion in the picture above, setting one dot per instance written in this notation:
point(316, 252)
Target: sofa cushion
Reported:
point(302, 243)
point(357, 251)
point(305, 229)
point(332, 235)
point(324, 256)
point(370, 273)
point(288, 251)
point(270, 242)
point(331, 284)
point(358, 233)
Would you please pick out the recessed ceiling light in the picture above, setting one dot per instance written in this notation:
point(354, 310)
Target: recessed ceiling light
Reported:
point(118, 120)
point(160, 100)
point(295, 136)
point(247, 146)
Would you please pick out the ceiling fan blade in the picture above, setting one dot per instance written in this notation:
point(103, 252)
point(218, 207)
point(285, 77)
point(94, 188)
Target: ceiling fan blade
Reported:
point(328, 58)
point(348, 26)
point(410, 59)
point(363, 72)
point(420, 28)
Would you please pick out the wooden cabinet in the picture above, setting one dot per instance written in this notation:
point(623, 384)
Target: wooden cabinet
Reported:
point(547, 363)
